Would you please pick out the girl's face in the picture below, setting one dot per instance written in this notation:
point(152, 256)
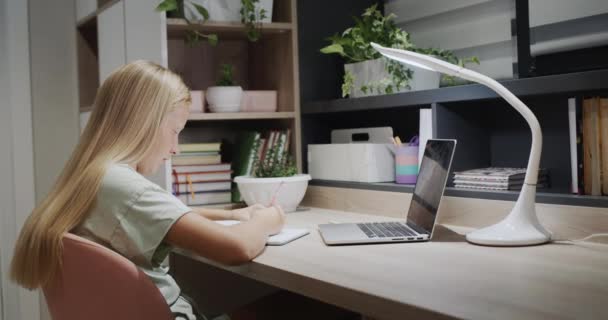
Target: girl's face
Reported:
point(166, 143)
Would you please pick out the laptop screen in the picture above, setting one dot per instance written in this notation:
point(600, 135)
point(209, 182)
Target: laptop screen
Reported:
point(432, 178)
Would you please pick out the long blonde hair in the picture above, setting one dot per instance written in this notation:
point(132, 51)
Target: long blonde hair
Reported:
point(126, 118)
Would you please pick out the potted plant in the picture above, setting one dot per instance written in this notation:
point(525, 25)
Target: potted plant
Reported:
point(193, 37)
point(249, 12)
point(275, 180)
point(226, 95)
point(366, 72)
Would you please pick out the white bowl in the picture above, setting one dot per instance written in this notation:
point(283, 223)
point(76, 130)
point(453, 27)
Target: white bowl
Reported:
point(224, 99)
point(288, 191)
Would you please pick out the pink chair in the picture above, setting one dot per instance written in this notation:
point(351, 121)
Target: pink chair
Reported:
point(97, 283)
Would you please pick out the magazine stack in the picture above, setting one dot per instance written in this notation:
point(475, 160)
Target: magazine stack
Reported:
point(495, 178)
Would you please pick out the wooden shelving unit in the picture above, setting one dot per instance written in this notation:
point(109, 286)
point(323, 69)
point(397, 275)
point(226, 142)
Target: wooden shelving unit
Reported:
point(114, 32)
point(271, 63)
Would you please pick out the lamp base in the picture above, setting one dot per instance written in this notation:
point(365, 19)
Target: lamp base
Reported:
point(520, 228)
point(506, 234)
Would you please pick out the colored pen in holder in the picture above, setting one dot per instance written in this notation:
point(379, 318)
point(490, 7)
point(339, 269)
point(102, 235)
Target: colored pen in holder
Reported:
point(406, 162)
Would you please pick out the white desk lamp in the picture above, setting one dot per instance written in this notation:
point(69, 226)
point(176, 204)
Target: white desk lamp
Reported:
point(521, 227)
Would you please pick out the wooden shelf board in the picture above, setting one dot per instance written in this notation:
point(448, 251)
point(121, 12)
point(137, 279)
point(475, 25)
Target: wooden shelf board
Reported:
point(541, 197)
point(553, 84)
point(209, 116)
point(89, 18)
point(224, 30)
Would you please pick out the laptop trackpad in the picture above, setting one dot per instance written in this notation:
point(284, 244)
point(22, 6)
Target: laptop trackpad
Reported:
point(341, 233)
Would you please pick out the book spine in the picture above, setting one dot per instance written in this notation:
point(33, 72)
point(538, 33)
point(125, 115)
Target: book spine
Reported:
point(591, 163)
point(573, 147)
point(604, 143)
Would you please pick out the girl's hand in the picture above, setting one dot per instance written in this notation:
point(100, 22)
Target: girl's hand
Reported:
point(274, 216)
point(244, 214)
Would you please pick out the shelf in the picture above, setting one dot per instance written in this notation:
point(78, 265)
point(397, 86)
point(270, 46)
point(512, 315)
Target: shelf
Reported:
point(240, 116)
point(229, 30)
point(554, 84)
point(541, 197)
point(91, 17)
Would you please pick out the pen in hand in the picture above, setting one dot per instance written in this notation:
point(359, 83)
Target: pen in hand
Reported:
point(274, 196)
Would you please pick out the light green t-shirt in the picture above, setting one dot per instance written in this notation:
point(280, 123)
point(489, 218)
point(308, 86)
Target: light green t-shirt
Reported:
point(132, 215)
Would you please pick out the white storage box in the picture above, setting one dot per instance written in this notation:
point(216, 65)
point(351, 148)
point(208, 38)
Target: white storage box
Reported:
point(360, 161)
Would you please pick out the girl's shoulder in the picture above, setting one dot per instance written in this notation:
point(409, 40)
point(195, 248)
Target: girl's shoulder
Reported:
point(122, 180)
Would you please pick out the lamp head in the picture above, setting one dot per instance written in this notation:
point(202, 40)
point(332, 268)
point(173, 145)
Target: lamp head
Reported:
point(420, 60)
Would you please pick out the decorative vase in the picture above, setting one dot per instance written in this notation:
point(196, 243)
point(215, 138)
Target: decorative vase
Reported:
point(198, 101)
point(259, 101)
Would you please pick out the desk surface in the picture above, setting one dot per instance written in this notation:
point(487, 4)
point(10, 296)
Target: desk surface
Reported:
point(444, 278)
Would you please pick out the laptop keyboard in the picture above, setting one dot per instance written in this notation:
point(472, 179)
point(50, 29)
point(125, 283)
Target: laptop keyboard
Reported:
point(386, 229)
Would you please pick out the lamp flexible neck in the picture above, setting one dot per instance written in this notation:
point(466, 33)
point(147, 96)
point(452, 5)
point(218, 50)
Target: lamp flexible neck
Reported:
point(535, 151)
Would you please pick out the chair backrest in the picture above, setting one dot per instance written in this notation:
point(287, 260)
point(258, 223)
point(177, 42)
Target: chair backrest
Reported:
point(97, 283)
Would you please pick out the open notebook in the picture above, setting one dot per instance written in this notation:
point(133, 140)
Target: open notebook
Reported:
point(285, 236)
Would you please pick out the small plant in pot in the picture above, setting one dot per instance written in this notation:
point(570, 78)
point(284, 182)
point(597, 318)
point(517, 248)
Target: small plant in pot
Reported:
point(226, 95)
point(275, 180)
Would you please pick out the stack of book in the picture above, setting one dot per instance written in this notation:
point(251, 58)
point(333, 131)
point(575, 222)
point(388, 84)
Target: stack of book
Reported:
point(251, 148)
point(495, 178)
point(199, 176)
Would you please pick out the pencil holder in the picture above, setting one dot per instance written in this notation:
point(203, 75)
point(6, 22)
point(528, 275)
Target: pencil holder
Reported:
point(406, 162)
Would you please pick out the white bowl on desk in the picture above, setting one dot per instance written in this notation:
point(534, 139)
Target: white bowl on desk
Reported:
point(288, 191)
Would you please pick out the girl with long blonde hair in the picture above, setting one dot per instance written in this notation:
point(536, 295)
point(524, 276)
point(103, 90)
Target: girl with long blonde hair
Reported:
point(102, 193)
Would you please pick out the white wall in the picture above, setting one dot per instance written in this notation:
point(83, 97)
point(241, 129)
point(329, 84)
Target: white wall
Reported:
point(54, 96)
point(54, 83)
point(544, 12)
point(16, 158)
point(38, 121)
point(564, 25)
point(479, 28)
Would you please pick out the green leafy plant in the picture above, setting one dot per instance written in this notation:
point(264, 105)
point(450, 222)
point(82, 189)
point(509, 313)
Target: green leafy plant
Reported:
point(226, 78)
point(193, 36)
point(354, 46)
point(251, 18)
point(276, 164)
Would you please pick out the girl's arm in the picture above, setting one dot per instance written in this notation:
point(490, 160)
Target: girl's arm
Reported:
point(229, 245)
point(242, 214)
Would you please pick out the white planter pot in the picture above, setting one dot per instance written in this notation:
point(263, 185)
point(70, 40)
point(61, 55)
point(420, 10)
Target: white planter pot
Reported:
point(373, 71)
point(288, 191)
point(224, 99)
point(225, 10)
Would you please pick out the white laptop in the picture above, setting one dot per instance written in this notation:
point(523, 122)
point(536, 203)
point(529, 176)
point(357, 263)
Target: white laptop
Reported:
point(421, 217)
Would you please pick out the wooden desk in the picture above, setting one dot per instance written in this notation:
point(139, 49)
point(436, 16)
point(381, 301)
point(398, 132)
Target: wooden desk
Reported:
point(445, 278)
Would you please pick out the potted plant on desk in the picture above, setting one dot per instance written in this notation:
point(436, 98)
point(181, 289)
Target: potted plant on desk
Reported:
point(275, 180)
point(367, 73)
